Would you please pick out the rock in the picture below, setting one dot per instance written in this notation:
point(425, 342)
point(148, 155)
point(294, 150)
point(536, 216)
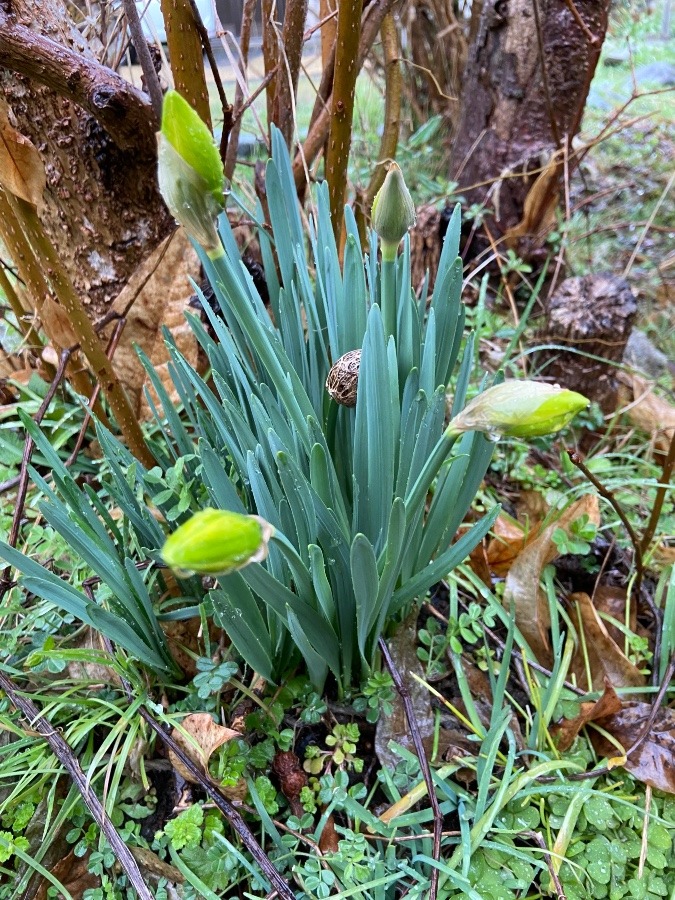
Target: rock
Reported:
point(656, 73)
point(615, 56)
point(592, 315)
point(641, 354)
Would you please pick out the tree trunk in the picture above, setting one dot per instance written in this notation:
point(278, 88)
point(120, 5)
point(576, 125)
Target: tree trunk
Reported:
point(517, 112)
point(95, 134)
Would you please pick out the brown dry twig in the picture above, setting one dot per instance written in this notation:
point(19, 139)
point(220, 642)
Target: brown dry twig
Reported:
point(424, 763)
point(23, 478)
point(67, 758)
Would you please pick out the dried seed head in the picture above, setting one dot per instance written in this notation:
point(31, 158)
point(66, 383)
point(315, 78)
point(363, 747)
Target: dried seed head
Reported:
point(343, 379)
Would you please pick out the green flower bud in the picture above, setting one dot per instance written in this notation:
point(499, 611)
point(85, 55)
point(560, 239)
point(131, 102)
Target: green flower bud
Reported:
point(215, 542)
point(393, 212)
point(519, 409)
point(190, 171)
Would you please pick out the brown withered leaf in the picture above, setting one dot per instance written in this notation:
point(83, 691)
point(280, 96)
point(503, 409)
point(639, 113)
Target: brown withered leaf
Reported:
point(606, 660)
point(508, 540)
point(205, 736)
point(611, 599)
point(653, 762)
point(22, 172)
point(522, 581)
point(566, 731)
point(73, 873)
point(540, 203)
point(156, 295)
point(651, 413)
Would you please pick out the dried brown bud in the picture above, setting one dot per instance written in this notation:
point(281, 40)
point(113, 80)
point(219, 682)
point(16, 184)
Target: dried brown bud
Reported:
point(292, 779)
point(343, 379)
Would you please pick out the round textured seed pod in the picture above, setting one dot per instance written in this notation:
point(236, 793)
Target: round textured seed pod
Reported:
point(343, 379)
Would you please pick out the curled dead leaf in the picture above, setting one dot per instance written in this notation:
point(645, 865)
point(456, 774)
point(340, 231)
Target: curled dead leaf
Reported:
point(198, 737)
point(651, 413)
point(652, 761)
point(22, 172)
point(522, 581)
point(566, 731)
point(603, 658)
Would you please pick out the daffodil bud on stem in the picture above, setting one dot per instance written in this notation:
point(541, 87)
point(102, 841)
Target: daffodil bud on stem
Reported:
point(190, 172)
point(216, 542)
point(513, 409)
point(393, 213)
point(521, 409)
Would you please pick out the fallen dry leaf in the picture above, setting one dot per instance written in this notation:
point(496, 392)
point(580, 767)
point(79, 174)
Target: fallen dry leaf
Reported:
point(522, 581)
point(507, 541)
point(73, 873)
point(204, 736)
point(22, 172)
point(611, 600)
point(566, 731)
point(540, 203)
point(652, 762)
point(651, 413)
point(156, 295)
point(606, 660)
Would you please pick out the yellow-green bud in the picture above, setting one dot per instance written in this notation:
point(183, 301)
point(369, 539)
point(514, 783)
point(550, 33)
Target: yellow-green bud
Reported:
point(521, 409)
point(215, 542)
point(190, 171)
point(393, 212)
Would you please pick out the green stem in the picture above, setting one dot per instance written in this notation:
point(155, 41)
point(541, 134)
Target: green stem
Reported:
point(388, 294)
point(439, 454)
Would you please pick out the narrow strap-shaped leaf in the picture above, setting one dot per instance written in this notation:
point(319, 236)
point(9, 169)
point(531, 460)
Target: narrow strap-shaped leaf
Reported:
point(365, 580)
point(317, 567)
point(314, 659)
point(420, 583)
point(236, 611)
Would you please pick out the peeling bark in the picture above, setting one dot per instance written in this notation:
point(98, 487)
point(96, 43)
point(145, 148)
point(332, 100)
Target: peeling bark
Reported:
point(94, 132)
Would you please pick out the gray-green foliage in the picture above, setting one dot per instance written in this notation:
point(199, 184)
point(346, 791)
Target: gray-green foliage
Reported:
point(345, 489)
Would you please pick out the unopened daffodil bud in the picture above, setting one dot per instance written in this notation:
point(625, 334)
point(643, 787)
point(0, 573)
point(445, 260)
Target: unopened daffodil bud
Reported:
point(393, 212)
point(216, 542)
point(522, 409)
point(190, 172)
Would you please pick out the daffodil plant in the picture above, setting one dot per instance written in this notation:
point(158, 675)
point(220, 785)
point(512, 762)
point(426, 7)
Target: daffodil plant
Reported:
point(319, 524)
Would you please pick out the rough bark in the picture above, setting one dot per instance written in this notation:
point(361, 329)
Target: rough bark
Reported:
point(593, 316)
point(519, 104)
point(94, 133)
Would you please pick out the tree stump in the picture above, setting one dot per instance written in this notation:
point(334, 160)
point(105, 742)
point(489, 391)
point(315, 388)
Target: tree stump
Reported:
point(592, 315)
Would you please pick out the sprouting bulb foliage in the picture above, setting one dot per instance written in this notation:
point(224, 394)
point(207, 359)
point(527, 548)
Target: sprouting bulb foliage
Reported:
point(357, 535)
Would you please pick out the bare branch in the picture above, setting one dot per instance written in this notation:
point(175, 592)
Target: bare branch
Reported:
point(122, 110)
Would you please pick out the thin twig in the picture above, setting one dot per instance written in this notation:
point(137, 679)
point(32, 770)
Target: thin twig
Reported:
point(643, 235)
point(206, 44)
point(544, 74)
point(664, 484)
point(424, 762)
point(593, 39)
point(618, 509)
point(28, 448)
point(538, 838)
point(63, 752)
point(110, 351)
point(213, 790)
point(152, 84)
